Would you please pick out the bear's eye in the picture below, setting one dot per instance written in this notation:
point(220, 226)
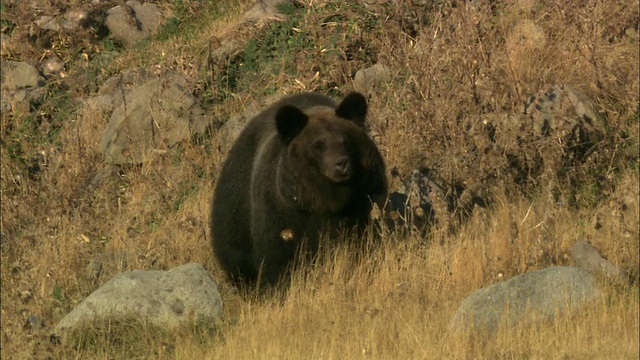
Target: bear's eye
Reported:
point(319, 145)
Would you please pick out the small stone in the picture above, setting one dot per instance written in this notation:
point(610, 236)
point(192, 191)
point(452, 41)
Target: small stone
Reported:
point(133, 21)
point(52, 65)
point(33, 323)
point(75, 18)
point(366, 78)
point(43, 20)
point(26, 296)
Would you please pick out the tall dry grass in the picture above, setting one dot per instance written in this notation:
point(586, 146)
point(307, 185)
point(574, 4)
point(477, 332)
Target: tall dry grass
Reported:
point(397, 301)
point(451, 61)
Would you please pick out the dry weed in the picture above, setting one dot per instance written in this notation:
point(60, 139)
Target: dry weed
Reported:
point(452, 61)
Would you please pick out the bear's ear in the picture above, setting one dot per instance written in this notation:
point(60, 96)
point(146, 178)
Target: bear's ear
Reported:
point(353, 107)
point(290, 121)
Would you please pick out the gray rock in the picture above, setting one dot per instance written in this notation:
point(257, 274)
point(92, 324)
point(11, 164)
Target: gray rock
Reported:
point(584, 107)
point(133, 21)
point(559, 112)
point(588, 258)
point(537, 295)
point(20, 75)
point(230, 130)
point(5, 41)
point(71, 20)
point(96, 178)
point(163, 298)
point(262, 10)
point(18, 80)
point(43, 20)
point(33, 323)
point(75, 18)
point(561, 109)
point(559, 119)
point(150, 118)
point(52, 65)
point(366, 78)
point(114, 91)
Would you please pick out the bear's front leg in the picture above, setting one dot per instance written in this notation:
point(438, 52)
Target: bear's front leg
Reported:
point(273, 253)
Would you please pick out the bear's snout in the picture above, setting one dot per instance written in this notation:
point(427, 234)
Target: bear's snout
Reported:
point(343, 166)
point(342, 169)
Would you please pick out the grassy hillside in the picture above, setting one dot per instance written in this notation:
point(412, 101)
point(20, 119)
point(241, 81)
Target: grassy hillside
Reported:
point(453, 63)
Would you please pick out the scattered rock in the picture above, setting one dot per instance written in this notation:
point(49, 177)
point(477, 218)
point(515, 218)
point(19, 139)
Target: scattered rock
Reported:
point(410, 204)
point(229, 131)
point(422, 199)
point(583, 106)
point(113, 92)
point(71, 20)
point(33, 323)
point(98, 176)
point(149, 118)
point(133, 21)
point(588, 258)
point(560, 113)
point(20, 75)
point(561, 108)
point(262, 10)
point(366, 78)
point(163, 298)
point(549, 141)
point(43, 20)
point(18, 80)
point(536, 295)
point(52, 65)
point(5, 41)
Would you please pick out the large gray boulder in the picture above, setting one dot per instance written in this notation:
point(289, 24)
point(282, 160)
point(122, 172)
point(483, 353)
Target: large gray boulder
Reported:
point(163, 298)
point(149, 115)
point(536, 295)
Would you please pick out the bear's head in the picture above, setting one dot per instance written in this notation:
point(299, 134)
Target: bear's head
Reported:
point(322, 143)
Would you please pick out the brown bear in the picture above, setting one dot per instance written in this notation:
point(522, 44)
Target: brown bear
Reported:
point(302, 168)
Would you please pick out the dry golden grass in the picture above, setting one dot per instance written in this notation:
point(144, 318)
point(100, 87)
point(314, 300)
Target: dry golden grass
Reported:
point(451, 62)
point(397, 302)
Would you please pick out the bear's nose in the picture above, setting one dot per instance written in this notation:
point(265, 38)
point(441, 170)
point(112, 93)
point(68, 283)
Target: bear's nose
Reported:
point(343, 165)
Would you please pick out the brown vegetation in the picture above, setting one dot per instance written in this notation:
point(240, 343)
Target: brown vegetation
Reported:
point(453, 62)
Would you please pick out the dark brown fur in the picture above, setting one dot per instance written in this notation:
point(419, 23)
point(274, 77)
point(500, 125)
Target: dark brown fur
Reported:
point(302, 167)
